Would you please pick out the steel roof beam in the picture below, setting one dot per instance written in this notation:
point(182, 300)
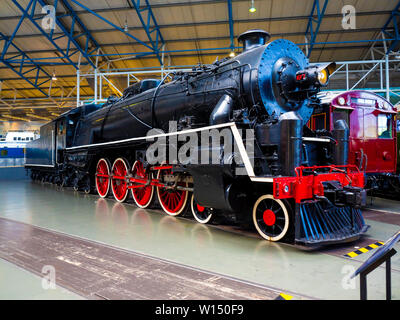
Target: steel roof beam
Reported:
point(114, 27)
point(112, 44)
point(314, 24)
point(150, 26)
point(154, 6)
point(185, 4)
point(51, 36)
point(395, 33)
point(218, 22)
point(34, 74)
point(85, 34)
point(231, 32)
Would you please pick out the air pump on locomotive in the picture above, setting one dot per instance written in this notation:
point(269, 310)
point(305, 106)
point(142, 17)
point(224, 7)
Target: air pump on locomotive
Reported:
point(297, 185)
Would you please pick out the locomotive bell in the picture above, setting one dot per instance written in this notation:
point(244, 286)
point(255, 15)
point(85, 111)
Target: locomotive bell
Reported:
point(253, 38)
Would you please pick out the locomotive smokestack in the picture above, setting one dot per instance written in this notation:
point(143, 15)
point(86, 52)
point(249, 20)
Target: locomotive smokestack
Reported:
point(253, 38)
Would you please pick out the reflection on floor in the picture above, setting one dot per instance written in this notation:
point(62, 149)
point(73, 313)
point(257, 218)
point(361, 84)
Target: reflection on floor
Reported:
point(385, 205)
point(99, 271)
point(317, 274)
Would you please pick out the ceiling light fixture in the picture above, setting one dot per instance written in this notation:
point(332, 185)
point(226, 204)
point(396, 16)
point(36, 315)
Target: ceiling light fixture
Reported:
point(252, 8)
point(232, 54)
point(54, 78)
point(126, 25)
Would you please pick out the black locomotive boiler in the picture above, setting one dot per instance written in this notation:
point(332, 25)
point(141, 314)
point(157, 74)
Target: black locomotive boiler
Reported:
point(293, 184)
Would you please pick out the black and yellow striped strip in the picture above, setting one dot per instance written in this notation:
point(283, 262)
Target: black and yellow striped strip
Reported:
point(363, 250)
point(284, 296)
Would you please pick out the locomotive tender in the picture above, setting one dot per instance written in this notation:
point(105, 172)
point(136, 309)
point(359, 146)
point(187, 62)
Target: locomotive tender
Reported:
point(297, 185)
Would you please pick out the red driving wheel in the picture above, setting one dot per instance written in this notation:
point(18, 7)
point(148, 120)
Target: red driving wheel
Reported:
point(103, 177)
point(142, 196)
point(172, 201)
point(118, 181)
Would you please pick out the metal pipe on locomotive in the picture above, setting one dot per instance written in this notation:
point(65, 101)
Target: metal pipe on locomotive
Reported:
point(297, 185)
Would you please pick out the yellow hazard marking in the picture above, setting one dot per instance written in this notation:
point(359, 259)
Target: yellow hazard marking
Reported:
point(286, 296)
point(357, 252)
point(283, 296)
point(352, 254)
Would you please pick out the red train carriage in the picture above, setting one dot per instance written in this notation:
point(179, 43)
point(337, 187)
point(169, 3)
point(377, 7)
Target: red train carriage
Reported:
point(372, 133)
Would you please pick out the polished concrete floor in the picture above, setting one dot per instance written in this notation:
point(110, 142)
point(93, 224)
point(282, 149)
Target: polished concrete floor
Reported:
point(19, 284)
point(313, 274)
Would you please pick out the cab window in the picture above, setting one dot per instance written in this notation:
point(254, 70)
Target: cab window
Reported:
point(384, 126)
point(370, 123)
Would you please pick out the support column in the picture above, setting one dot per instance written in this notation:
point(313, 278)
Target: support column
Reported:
point(387, 77)
point(95, 85)
point(78, 86)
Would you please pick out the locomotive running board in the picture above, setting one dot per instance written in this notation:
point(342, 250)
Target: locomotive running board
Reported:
point(236, 135)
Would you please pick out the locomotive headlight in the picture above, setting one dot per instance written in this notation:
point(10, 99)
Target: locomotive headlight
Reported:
point(324, 72)
point(315, 75)
point(323, 77)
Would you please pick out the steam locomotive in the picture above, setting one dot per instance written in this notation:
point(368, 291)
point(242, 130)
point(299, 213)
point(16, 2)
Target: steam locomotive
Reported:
point(290, 182)
point(372, 139)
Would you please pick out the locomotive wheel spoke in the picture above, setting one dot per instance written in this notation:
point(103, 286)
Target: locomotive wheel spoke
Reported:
point(142, 195)
point(200, 213)
point(119, 186)
point(102, 177)
point(271, 218)
point(173, 202)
